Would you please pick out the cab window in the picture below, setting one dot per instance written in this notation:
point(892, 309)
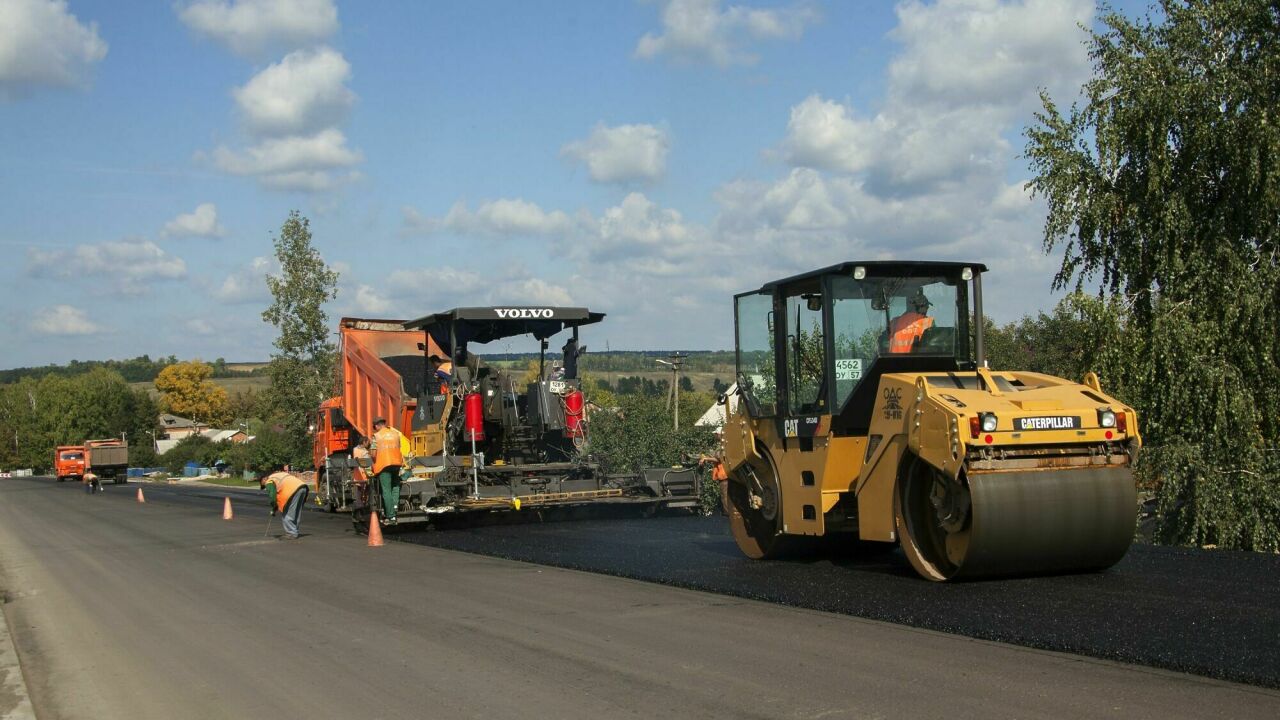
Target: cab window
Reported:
point(756, 362)
point(806, 352)
point(893, 316)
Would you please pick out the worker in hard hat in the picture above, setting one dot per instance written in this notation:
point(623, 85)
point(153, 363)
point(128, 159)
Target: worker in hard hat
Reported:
point(288, 494)
point(390, 448)
point(907, 329)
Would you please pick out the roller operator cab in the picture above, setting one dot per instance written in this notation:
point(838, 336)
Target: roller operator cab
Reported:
point(867, 408)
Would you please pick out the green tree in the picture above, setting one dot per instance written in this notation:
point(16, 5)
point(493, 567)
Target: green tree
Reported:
point(639, 434)
point(38, 415)
point(302, 369)
point(1163, 187)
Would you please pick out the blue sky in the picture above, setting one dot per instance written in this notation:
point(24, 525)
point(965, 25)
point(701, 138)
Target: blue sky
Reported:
point(647, 159)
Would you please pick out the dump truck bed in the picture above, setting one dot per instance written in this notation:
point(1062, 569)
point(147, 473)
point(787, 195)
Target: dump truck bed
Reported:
point(383, 371)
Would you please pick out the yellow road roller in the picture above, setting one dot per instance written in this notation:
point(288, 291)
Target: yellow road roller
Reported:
point(864, 406)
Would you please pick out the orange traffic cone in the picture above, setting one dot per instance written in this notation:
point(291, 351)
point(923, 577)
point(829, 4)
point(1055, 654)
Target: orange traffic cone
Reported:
point(141, 499)
point(226, 509)
point(375, 531)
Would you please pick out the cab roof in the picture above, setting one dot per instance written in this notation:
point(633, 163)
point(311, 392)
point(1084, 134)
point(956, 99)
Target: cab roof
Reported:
point(880, 268)
point(486, 324)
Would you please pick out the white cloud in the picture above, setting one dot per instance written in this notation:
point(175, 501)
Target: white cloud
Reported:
point(302, 94)
point(127, 265)
point(201, 222)
point(43, 44)
point(637, 228)
point(965, 52)
point(622, 154)
point(253, 27)
point(199, 326)
point(370, 301)
point(246, 284)
point(62, 320)
point(700, 31)
point(413, 292)
point(824, 134)
point(952, 95)
point(293, 163)
point(494, 218)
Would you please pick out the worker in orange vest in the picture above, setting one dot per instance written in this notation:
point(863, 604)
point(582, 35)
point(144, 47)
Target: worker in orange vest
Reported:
point(390, 448)
point(907, 328)
point(718, 475)
point(288, 494)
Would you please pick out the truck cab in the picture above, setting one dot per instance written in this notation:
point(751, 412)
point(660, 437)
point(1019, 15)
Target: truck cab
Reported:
point(69, 462)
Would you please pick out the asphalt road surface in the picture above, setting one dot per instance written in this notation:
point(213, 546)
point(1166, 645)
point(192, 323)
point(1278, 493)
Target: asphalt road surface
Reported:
point(1213, 613)
point(163, 610)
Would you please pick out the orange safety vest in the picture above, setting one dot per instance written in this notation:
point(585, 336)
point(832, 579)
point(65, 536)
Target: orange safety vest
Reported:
point(387, 449)
point(286, 485)
point(906, 329)
point(718, 474)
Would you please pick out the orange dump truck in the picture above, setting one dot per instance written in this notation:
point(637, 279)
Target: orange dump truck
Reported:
point(383, 367)
point(108, 459)
point(69, 462)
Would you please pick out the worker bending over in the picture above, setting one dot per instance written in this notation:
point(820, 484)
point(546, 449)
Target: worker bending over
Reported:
point(287, 493)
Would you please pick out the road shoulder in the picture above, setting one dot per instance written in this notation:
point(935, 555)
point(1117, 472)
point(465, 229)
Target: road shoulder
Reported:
point(15, 703)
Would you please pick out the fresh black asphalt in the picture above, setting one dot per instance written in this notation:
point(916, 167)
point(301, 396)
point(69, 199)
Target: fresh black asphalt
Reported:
point(1208, 612)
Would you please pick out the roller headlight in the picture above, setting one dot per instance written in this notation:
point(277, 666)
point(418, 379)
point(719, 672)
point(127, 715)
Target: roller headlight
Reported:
point(989, 422)
point(1106, 418)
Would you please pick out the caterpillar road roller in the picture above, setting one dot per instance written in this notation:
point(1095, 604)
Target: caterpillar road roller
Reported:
point(866, 408)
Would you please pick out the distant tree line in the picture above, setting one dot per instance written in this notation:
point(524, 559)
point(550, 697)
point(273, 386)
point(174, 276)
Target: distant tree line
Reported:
point(37, 415)
point(138, 369)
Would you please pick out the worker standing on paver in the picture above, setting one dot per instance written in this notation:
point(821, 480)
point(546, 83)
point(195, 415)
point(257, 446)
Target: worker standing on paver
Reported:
point(288, 494)
point(390, 448)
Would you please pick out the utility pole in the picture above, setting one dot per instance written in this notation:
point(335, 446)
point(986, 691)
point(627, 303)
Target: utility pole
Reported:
point(675, 361)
